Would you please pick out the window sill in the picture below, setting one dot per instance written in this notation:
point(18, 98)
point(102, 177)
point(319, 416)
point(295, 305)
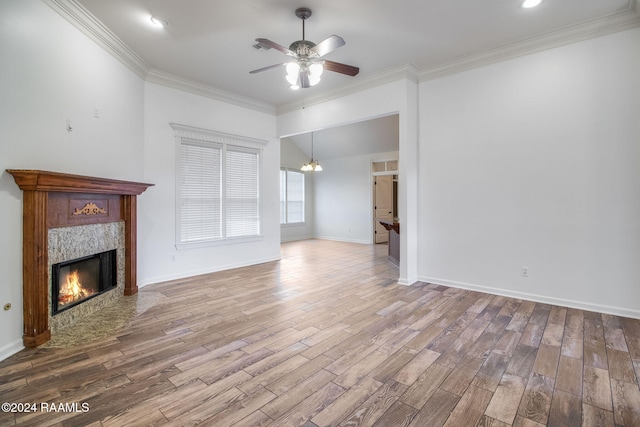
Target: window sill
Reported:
point(293, 224)
point(218, 242)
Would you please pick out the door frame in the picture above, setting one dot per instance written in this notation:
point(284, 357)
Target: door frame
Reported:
point(373, 189)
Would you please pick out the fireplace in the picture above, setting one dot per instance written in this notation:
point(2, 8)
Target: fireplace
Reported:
point(77, 281)
point(93, 215)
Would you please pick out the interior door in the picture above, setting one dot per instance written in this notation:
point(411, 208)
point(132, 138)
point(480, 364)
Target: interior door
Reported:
point(382, 205)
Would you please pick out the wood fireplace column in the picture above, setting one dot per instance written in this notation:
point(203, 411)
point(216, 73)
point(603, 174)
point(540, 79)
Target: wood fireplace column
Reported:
point(130, 245)
point(35, 262)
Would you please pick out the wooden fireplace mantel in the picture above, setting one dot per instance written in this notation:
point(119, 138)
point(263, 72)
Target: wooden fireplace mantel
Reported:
point(53, 199)
point(37, 180)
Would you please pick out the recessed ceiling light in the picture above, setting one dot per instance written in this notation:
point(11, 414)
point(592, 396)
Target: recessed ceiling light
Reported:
point(527, 4)
point(158, 22)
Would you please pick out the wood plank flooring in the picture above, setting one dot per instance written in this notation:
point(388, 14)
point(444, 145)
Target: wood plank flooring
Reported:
point(326, 337)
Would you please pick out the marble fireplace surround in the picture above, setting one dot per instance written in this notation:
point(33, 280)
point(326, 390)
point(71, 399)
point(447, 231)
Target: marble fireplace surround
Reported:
point(53, 200)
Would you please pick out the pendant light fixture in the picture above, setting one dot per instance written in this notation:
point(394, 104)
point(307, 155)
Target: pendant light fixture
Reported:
point(313, 165)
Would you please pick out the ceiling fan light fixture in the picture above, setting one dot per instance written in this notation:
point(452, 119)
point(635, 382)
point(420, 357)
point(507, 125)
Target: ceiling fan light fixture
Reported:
point(292, 79)
point(293, 75)
point(314, 80)
point(528, 4)
point(293, 68)
point(307, 68)
point(315, 71)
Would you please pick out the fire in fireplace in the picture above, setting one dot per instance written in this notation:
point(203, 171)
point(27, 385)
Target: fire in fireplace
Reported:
point(81, 279)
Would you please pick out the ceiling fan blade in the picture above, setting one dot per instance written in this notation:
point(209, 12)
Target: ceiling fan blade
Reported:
point(259, 70)
point(276, 46)
point(337, 67)
point(328, 45)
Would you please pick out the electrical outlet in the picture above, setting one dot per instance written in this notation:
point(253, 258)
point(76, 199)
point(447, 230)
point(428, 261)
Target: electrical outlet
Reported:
point(524, 271)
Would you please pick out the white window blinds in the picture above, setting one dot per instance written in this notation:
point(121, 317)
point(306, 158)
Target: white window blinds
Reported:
point(243, 195)
point(218, 186)
point(291, 197)
point(199, 193)
point(283, 196)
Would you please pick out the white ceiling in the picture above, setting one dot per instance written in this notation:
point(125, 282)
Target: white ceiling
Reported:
point(210, 41)
point(379, 135)
point(208, 46)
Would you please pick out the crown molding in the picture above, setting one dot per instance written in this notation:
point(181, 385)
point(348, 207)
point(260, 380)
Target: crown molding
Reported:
point(624, 20)
point(84, 20)
point(407, 72)
point(196, 88)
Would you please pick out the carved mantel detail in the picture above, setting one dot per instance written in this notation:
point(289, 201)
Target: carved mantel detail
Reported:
point(46, 199)
point(89, 209)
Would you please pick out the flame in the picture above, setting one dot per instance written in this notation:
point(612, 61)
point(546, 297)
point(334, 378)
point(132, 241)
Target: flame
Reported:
point(73, 290)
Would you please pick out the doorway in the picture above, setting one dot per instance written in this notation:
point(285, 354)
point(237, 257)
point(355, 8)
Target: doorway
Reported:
point(385, 197)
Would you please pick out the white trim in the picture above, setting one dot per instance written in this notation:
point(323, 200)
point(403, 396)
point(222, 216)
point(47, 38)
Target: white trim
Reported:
point(200, 134)
point(384, 173)
point(336, 239)
point(404, 282)
point(91, 26)
point(582, 305)
point(81, 18)
point(193, 273)
point(408, 72)
point(217, 242)
point(196, 88)
point(11, 349)
point(296, 239)
point(624, 20)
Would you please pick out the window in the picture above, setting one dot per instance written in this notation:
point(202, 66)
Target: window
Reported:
point(291, 197)
point(218, 187)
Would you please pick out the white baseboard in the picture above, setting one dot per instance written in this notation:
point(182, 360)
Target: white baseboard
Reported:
point(296, 239)
point(11, 349)
point(217, 268)
point(339, 239)
point(582, 305)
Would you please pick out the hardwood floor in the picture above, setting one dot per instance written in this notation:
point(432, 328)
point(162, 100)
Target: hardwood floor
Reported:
point(326, 337)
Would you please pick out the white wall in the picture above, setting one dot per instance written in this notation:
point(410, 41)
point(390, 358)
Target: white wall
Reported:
point(536, 162)
point(291, 156)
point(50, 72)
point(344, 198)
point(158, 259)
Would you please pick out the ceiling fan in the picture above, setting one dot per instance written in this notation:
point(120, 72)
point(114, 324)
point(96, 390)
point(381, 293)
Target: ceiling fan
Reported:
point(308, 65)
